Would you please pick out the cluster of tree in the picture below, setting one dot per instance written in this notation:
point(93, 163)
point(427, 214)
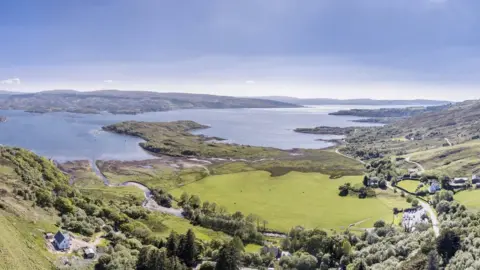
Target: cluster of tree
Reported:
point(357, 190)
point(315, 249)
point(383, 169)
point(162, 198)
point(363, 153)
point(217, 218)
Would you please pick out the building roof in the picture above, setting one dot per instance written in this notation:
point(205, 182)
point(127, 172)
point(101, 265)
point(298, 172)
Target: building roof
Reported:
point(89, 251)
point(60, 237)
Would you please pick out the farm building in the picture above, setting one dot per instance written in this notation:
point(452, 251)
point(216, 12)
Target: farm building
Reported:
point(475, 179)
point(373, 181)
point(459, 182)
point(49, 236)
point(61, 240)
point(89, 253)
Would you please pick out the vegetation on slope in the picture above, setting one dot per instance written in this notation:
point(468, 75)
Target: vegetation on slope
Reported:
point(454, 124)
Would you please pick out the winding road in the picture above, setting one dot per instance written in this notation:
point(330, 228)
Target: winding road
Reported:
point(349, 157)
point(415, 163)
point(448, 141)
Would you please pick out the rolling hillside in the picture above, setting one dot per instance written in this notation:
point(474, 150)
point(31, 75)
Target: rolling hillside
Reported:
point(127, 102)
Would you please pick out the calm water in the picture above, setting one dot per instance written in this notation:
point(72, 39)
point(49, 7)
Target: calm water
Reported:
point(67, 136)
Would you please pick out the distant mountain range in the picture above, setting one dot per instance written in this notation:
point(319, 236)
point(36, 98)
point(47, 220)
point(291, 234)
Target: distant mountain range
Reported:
point(126, 102)
point(331, 101)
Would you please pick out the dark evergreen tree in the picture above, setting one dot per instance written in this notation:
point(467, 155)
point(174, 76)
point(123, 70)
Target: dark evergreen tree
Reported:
point(447, 244)
point(433, 262)
point(228, 258)
point(172, 244)
point(187, 251)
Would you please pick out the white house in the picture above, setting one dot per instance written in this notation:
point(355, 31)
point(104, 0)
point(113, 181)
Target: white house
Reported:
point(434, 186)
point(61, 241)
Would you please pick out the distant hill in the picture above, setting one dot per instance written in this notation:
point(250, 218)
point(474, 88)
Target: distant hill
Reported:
point(330, 101)
point(127, 102)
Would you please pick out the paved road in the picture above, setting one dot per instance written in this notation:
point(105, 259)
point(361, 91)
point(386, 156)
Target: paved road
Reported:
point(338, 152)
point(448, 141)
point(415, 163)
point(433, 217)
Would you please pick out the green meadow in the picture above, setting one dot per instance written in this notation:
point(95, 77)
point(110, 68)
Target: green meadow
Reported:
point(306, 199)
point(469, 198)
point(409, 185)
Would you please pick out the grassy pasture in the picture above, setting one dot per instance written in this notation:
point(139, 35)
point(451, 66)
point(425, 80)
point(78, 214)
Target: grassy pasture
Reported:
point(469, 198)
point(306, 199)
point(409, 185)
point(163, 224)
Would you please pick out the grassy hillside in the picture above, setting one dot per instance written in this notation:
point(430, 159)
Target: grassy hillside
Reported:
point(458, 160)
point(458, 123)
point(306, 199)
point(22, 245)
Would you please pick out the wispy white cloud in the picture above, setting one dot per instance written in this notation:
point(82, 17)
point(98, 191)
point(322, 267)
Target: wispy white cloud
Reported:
point(108, 81)
point(250, 82)
point(11, 81)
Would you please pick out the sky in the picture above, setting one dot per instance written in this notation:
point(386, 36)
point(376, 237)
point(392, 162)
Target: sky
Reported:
point(402, 49)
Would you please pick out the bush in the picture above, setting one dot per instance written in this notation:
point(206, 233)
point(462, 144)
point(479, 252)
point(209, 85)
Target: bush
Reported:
point(379, 224)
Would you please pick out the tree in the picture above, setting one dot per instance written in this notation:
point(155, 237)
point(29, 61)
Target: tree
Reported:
point(195, 201)
point(346, 247)
point(433, 261)
point(379, 224)
point(360, 265)
point(447, 244)
point(207, 266)
point(44, 198)
point(365, 180)
point(172, 244)
point(64, 205)
point(228, 258)
point(237, 242)
point(184, 198)
point(265, 222)
point(286, 244)
point(306, 262)
point(187, 251)
point(382, 184)
point(414, 202)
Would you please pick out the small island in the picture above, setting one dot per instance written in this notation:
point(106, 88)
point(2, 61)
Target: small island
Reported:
point(325, 130)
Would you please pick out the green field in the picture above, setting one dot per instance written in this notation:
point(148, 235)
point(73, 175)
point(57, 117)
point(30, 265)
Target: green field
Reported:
point(306, 199)
point(163, 224)
point(469, 198)
point(409, 185)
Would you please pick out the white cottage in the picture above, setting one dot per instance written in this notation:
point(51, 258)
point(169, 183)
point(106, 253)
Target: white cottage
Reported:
point(62, 241)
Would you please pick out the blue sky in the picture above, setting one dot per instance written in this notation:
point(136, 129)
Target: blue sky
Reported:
point(309, 48)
